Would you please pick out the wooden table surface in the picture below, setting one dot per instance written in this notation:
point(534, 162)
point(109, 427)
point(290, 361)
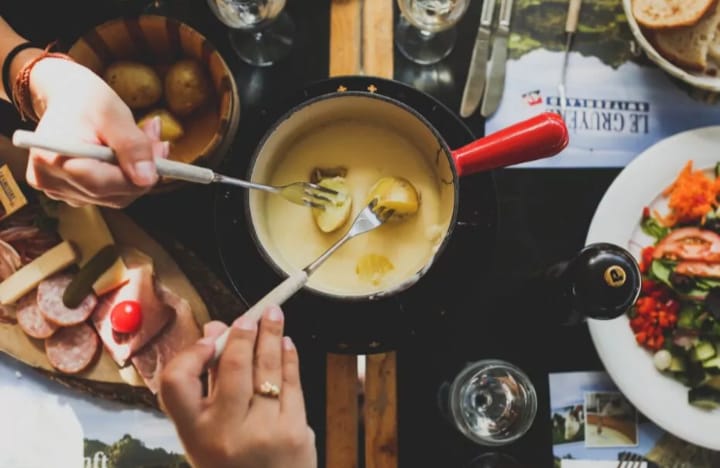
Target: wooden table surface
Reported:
point(361, 42)
point(393, 418)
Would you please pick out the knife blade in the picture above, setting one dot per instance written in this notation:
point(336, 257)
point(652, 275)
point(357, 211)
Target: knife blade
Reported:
point(571, 22)
point(498, 57)
point(475, 83)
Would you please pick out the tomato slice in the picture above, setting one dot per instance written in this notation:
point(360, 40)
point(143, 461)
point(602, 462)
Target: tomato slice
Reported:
point(690, 243)
point(126, 317)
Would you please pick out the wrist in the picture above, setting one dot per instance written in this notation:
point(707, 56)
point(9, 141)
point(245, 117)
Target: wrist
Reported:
point(36, 80)
point(15, 57)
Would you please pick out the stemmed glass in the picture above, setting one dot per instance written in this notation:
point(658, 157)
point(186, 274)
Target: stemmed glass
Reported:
point(260, 31)
point(426, 32)
point(492, 402)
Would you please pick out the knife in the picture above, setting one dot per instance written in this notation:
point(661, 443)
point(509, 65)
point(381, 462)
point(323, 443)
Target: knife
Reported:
point(475, 83)
point(496, 75)
point(571, 23)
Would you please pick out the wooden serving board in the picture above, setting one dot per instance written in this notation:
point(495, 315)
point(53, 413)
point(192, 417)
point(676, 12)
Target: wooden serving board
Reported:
point(103, 377)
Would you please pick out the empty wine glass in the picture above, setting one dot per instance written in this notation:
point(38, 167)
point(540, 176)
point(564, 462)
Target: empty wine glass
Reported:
point(425, 32)
point(261, 32)
point(492, 402)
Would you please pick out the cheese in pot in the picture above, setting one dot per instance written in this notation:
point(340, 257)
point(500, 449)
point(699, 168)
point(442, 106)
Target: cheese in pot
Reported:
point(368, 152)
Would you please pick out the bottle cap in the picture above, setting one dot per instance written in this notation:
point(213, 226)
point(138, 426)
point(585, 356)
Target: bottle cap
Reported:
point(606, 281)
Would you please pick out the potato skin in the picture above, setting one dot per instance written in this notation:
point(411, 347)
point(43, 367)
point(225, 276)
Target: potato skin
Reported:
point(138, 85)
point(186, 87)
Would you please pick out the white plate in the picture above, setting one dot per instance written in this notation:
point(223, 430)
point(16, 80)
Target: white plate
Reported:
point(616, 220)
point(709, 83)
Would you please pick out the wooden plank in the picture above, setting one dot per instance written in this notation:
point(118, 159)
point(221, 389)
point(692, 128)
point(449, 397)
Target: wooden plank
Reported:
point(341, 401)
point(380, 411)
point(341, 414)
point(380, 415)
point(345, 37)
point(378, 38)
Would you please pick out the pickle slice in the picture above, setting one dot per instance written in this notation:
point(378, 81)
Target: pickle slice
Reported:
point(335, 214)
point(82, 284)
point(372, 268)
point(395, 193)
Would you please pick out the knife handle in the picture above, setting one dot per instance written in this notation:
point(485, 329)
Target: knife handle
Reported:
point(573, 16)
point(486, 15)
point(505, 14)
point(538, 137)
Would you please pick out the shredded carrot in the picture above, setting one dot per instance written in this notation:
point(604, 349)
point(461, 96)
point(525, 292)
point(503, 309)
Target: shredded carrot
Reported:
point(691, 196)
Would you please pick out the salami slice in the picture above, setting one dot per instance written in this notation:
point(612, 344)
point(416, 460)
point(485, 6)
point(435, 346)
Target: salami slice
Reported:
point(31, 320)
point(71, 349)
point(50, 293)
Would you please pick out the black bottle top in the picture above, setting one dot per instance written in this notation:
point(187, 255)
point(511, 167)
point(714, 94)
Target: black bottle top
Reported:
point(601, 282)
point(606, 281)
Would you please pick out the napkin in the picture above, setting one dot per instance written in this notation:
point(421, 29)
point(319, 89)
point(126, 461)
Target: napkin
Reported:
point(598, 464)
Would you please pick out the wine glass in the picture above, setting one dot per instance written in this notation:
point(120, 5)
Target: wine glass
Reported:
point(425, 32)
point(260, 31)
point(492, 402)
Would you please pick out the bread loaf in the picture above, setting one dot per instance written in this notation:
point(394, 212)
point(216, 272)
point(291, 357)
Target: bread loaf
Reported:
point(688, 47)
point(664, 14)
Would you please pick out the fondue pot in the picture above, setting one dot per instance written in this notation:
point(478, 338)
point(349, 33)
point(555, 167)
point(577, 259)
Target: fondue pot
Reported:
point(454, 274)
point(539, 137)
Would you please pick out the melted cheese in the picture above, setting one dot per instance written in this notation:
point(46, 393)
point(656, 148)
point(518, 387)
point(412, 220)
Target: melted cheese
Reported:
point(369, 152)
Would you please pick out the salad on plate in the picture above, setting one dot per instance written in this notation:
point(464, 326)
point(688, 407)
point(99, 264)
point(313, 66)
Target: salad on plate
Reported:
point(677, 316)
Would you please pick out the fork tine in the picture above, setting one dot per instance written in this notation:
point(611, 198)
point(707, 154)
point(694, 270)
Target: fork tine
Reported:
point(313, 204)
point(320, 188)
point(317, 196)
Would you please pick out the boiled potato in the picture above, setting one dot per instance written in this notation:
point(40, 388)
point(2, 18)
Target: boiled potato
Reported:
point(186, 87)
point(170, 128)
point(136, 84)
point(335, 214)
point(395, 193)
point(372, 268)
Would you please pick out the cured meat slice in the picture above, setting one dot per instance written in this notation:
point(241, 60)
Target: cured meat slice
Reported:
point(182, 332)
point(50, 293)
point(31, 320)
point(10, 260)
point(140, 287)
point(71, 349)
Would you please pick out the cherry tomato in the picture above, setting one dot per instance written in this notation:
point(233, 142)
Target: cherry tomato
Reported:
point(126, 316)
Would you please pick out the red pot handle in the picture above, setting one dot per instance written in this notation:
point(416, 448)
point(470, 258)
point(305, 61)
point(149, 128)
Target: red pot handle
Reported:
point(539, 137)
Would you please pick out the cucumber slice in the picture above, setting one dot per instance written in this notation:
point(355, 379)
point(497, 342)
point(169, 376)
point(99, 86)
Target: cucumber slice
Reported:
point(703, 351)
point(677, 364)
point(686, 316)
point(712, 365)
point(704, 397)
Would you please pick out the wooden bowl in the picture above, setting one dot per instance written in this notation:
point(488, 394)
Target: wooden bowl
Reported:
point(158, 42)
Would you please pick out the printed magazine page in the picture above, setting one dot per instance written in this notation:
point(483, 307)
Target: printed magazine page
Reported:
point(592, 420)
point(618, 102)
point(46, 424)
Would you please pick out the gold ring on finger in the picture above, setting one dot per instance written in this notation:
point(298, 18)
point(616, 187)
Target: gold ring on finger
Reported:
point(269, 389)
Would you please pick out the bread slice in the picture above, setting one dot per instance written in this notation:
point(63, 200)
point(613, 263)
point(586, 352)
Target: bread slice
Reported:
point(664, 14)
point(688, 47)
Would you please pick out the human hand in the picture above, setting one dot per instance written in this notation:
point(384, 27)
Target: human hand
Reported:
point(75, 103)
point(234, 425)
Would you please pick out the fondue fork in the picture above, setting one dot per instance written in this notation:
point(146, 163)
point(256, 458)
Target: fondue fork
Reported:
point(301, 193)
point(369, 218)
